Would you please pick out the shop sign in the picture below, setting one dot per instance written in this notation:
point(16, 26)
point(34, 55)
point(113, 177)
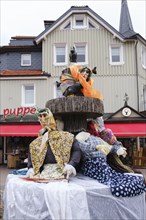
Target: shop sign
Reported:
point(19, 111)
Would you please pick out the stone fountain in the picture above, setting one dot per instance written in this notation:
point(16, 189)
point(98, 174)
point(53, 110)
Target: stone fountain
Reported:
point(75, 110)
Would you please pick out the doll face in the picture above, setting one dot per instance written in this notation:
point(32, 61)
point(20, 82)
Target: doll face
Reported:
point(44, 119)
point(84, 74)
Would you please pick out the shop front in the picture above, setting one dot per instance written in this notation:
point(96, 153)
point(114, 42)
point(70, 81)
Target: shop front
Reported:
point(129, 126)
point(16, 133)
point(14, 143)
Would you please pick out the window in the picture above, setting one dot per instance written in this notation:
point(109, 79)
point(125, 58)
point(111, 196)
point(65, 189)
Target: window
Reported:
point(92, 24)
point(79, 21)
point(68, 26)
point(25, 59)
point(144, 96)
point(81, 53)
point(144, 57)
point(28, 95)
point(60, 54)
point(116, 55)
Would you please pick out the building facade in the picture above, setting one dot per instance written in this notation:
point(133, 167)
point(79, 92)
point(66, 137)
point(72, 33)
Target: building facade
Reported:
point(31, 66)
point(120, 58)
point(22, 86)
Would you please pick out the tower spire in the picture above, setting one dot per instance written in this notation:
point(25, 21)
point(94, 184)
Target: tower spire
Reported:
point(125, 27)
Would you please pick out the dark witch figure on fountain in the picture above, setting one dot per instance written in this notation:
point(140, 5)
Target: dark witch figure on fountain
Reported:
point(76, 79)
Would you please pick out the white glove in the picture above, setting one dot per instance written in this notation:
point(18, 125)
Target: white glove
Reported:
point(69, 170)
point(29, 172)
point(122, 151)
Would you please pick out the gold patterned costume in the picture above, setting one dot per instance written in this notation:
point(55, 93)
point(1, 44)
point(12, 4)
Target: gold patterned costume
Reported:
point(60, 143)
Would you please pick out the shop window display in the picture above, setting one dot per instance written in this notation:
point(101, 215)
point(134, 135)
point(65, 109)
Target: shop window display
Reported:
point(136, 151)
point(17, 151)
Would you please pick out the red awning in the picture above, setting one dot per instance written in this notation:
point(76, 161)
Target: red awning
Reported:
point(128, 130)
point(120, 130)
point(20, 130)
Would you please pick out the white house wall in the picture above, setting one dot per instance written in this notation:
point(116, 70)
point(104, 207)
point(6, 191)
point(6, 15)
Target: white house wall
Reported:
point(114, 89)
point(12, 91)
point(112, 80)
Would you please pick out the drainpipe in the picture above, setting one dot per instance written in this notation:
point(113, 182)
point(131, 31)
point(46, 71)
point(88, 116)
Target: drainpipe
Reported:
point(136, 69)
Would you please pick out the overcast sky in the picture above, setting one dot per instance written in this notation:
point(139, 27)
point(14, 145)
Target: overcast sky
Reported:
point(26, 17)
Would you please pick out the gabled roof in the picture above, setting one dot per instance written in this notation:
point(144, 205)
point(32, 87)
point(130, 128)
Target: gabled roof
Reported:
point(118, 116)
point(78, 9)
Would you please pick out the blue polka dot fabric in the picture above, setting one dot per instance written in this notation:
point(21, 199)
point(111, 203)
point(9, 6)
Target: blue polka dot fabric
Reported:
point(121, 184)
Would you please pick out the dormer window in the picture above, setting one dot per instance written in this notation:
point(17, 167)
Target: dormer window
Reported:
point(25, 59)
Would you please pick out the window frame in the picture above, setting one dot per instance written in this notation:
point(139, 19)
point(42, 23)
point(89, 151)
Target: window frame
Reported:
point(70, 24)
point(120, 62)
point(65, 24)
point(86, 57)
point(23, 95)
point(22, 59)
point(55, 55)
point(93, 23)
point(79, 17)
point(143, 57)
point(144, 96)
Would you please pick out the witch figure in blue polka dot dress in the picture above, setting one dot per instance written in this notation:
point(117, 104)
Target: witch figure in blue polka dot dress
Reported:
point(123, 181)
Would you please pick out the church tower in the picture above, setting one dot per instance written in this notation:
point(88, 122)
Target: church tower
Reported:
point(125, 27)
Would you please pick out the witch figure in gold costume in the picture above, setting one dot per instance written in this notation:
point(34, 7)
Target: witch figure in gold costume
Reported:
point(54, 153)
